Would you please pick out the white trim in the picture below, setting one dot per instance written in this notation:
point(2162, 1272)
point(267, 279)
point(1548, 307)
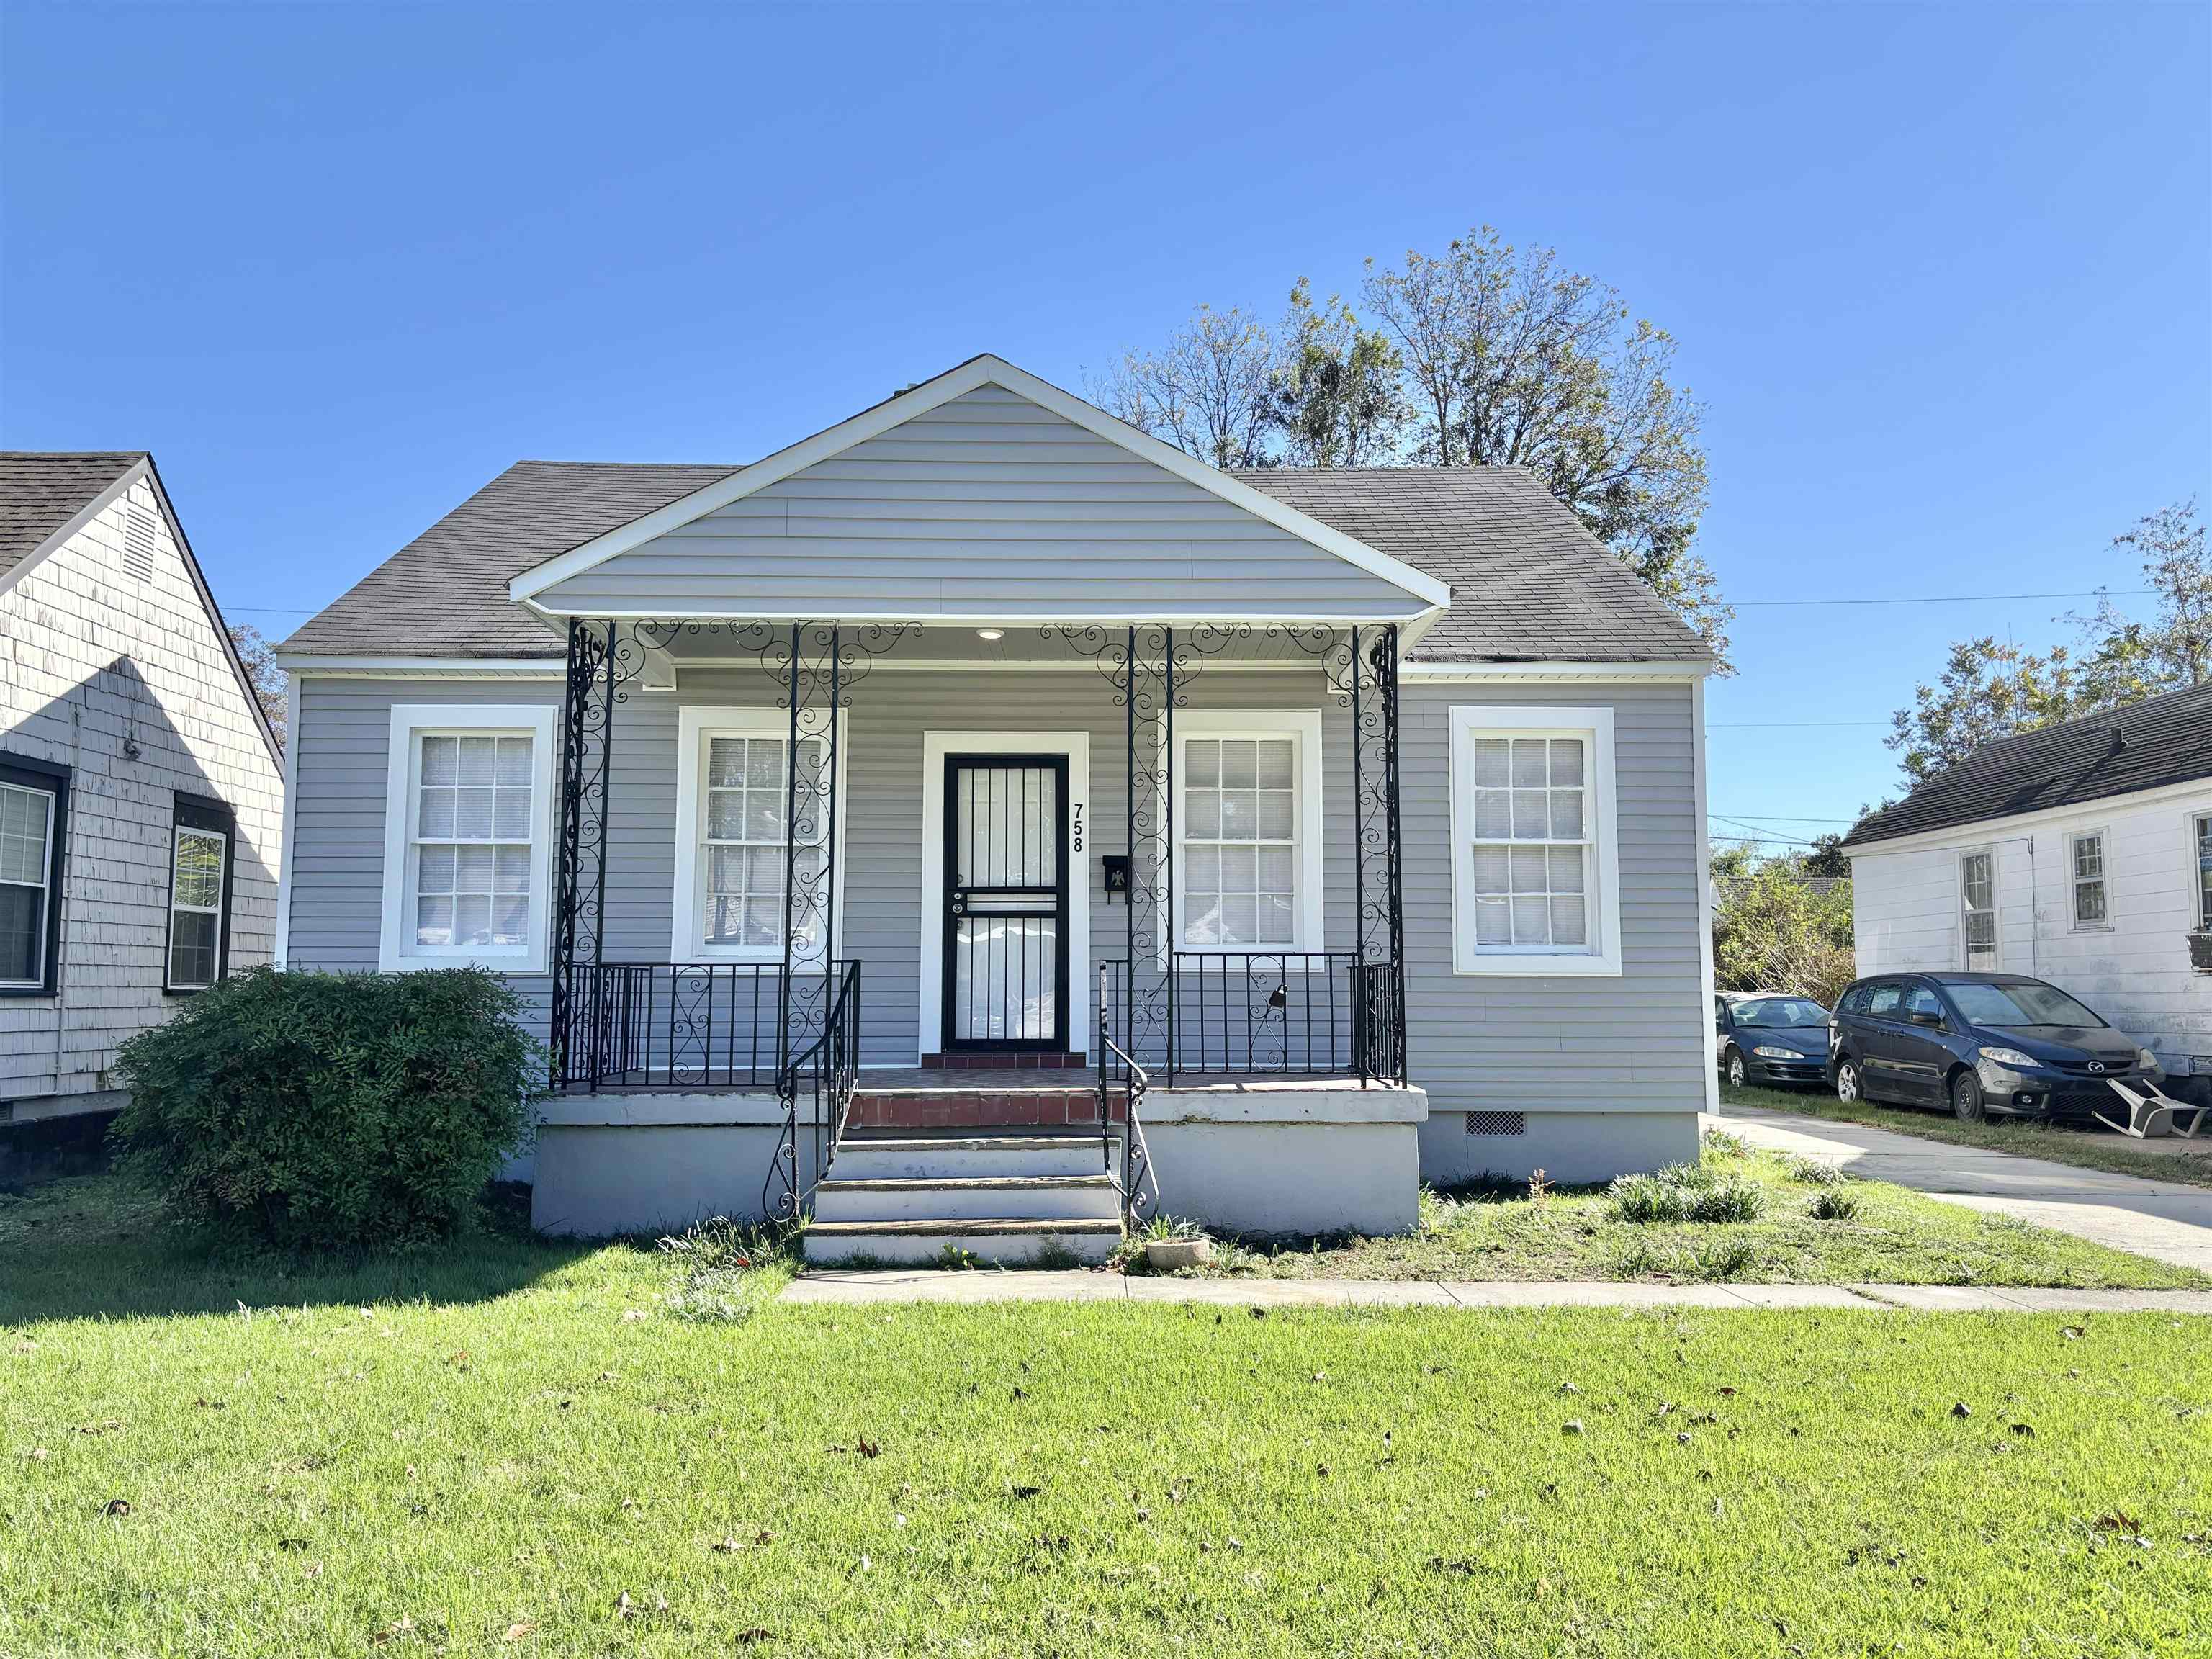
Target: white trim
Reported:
point(1986, 850)
point(935, 746)
point(930, 394)
point(1602, 957)
point(2004, 826)
point(50, 883)
point(421, 668)
point(695, 723)
point(2104, 878)
point(1708, 978)
point(1304, 727)
point(1481, 673)
point(2194, 882)
point(283, 953)
point(395, 953)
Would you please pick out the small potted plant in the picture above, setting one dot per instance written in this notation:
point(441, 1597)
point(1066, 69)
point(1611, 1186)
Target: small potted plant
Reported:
point(1171, 1244)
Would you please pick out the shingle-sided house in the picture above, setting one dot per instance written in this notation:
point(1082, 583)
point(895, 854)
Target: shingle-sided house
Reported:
point(2080, 853)
point(854, 818)
point(141, 787)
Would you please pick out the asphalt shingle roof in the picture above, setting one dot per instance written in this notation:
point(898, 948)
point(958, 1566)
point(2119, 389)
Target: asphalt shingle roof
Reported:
point(2163, 740)
point(40, 492)
point(1528, 582)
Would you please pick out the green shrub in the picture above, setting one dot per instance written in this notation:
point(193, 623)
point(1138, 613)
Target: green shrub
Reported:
point(1731, 1200)
point(1684, 1192)
point(1725, 1255)
point(1814, 1173)
point(1649, 1198)
point(1834, 1204)
point(330, 1110)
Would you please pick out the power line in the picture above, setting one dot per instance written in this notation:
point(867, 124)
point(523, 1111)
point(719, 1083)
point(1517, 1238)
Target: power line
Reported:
point(1793, 725)
point(1776, 818)
point(1949, 599)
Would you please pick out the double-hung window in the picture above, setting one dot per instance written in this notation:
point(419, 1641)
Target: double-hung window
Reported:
point(1978, 911)
point(200, 857)
point(1248, 843)
point(2086, 858)
point(468, 837)
point(736, 802)
point(33, 812)
point(1535, 872)
point(2200, 844)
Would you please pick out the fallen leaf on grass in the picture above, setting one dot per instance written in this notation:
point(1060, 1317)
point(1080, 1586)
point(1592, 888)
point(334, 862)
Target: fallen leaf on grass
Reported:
point(868, 1448)
point(1962, 1409)
point(631, 1316)
point(291, 1543)
point(2026, 1430)
point(116, 1506)
point(517, 1630)
point(757, 1633)
point(2117, 1521)
point(1024, 1491)
point(1572, 1426)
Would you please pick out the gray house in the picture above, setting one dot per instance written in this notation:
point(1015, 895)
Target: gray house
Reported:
point(980, 811)
point(141, 787)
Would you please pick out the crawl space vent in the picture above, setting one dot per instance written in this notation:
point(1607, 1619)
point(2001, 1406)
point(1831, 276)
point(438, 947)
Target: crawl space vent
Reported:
point(1497, 1124)
point(138, 542)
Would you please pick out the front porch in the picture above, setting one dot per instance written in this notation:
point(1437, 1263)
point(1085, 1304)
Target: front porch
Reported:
point(1081, 925)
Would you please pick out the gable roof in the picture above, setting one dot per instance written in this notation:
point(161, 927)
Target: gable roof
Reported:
point(2163, 740)
point(941, 389)
point(1528, 583)
point(42, 493)
point(65, 490)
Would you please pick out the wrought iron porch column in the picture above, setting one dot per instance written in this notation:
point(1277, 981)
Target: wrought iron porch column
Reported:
point(586, 747)
point(1378, 887)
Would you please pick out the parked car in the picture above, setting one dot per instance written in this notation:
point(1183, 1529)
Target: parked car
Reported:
point(1985, 1045)
point(1771, 1038)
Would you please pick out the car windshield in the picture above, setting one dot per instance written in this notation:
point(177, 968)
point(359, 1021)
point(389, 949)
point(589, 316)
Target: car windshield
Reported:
point(2031, 1004)
point(1781, 1011)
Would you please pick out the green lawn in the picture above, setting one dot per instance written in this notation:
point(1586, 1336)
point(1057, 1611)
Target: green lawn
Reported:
point(1897, 1236)
point(2087, 1149)
point(438, 1453)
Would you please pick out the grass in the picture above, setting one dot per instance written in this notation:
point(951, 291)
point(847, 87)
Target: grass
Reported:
point(2085, 1149)
point(518, 1448)
point(1740, 1214)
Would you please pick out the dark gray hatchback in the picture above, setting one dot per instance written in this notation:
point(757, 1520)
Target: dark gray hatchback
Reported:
point(1982, 1044)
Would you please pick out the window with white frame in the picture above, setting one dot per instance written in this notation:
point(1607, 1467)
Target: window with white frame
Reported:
point(2200, 843)
point(200, 843)
point(734, 791)
point(468, 836)
point(2086, 855)
point(1535, 883)
point(1248, 847)
point(1978, 911)
point(31, 813)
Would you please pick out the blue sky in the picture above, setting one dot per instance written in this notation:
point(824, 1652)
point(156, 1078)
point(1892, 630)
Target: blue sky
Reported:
point(1942, 276)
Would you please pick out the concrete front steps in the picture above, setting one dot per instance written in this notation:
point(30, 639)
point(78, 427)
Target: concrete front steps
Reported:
point(1006, 1200)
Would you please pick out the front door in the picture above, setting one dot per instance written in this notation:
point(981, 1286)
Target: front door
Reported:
point(1005, 903)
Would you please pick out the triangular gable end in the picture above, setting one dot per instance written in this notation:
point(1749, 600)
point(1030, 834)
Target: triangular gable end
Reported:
point(985, 494)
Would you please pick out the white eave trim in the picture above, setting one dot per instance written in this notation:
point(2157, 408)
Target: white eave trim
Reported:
point(2089, 813)
point(462, 668)
point(985, 370)
point(1452, 673)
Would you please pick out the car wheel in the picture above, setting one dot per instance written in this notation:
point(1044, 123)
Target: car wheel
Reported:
point(1736, 1074)
point(1848, 1089)
point(1966, 1098)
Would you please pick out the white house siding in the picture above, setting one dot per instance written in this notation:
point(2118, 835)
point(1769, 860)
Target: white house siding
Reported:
point(988, 505)
point(2135, 972)
point(95, 658)
point(1611, 1069)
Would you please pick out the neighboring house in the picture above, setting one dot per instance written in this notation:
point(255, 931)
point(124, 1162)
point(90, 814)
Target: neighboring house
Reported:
point(2080, 853)
point(141, 787)
point(1409, 884)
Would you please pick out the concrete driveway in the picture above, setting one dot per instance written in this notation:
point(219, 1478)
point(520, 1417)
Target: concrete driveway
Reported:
point(2168, 1220)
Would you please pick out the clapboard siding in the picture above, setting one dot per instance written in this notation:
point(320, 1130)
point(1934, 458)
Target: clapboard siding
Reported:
point(1634, 1043)
point(986, 504)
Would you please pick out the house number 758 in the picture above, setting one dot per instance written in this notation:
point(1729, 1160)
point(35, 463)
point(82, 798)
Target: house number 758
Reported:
point(1078, 829)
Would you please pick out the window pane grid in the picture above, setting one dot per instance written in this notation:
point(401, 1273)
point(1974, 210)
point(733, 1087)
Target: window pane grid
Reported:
point(1978, 902)
point(743, 842)
point(1239, 834)
point(195, 874)
point(2089, 879)
point(472, 853)
point(1531, 843)
point(26, 823)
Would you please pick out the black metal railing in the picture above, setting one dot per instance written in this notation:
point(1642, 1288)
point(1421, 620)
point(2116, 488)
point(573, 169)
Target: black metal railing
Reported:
point(816, 1091)
point(1246, 1013)
point(683, 1025)
point(1115, 1067)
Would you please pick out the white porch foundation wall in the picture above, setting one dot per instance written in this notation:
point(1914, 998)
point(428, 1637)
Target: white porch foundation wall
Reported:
point(1570, 1147)
point(1283, 1159)
point(610, 1164)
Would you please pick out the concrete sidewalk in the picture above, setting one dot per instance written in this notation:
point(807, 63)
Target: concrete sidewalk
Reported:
point(2169, 1221)
point(921, 1285)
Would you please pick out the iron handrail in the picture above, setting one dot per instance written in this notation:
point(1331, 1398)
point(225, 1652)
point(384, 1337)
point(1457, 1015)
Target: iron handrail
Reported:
point(1136, 1162)
point(834, 1059)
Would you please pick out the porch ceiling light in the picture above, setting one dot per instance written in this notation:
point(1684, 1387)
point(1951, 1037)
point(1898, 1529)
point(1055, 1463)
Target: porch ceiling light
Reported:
point(990, 633)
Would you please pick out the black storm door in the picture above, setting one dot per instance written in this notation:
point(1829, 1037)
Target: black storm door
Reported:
point(1006, 902)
